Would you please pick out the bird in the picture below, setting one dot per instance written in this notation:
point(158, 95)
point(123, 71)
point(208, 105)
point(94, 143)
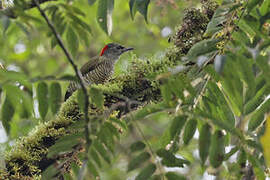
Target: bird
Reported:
point(99, 69)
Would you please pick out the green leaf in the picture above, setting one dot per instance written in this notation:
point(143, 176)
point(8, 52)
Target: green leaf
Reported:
point(92, 168)
point(131, 9)
point(217, 149)
point(75, 169)
point(139, 5)
point(265, 7)
point(217, 20)
point(72, 41)
point(149, 109)
point(258, 169)
point(166, 93)
point(112, 129)
point(96, 97)
point(137, 146)
point(204, 141)
point(55, 97)
point(232, 152)
point(5, 23)
point(80, 23)
point(42, 97)
point(119, 122)
point(83, 35)
point(138, 160)
point(253, 103)
point(252, 4)
point(102, 151)
point(7, 112)
point(174, 176)
point(170, 160)
point(244, 26)
point(93, 155)
point(104, 15)
point(177, 125)
point(106, 138)
point(189, 131)
point(258, 116)
point(50, 172)
point(91, 2)
point(65, 144)
point(13, 76)
point(147, 172)
point(203, 47)
point(81, 99)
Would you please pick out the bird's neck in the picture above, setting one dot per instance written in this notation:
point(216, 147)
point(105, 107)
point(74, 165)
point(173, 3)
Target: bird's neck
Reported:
point(107, 59)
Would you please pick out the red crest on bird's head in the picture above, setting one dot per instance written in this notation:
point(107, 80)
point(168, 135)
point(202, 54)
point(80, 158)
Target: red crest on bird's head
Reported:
point(103, 50)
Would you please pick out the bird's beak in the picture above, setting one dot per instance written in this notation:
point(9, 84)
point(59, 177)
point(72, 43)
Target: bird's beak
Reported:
point(127, 49)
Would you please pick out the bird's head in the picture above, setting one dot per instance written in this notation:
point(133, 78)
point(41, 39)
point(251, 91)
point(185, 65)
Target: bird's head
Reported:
point(113, 50)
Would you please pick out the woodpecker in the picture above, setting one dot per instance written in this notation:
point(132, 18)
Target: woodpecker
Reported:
point(99, 69)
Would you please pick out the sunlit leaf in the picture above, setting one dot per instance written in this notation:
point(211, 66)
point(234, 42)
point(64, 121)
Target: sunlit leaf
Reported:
point(258, 116)
point(265, 7)
point(104, 15)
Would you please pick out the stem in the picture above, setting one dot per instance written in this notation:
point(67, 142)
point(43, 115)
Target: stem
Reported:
point(78, 75)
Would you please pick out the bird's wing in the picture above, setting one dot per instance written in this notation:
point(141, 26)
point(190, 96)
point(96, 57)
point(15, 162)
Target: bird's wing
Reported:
point(90, 65)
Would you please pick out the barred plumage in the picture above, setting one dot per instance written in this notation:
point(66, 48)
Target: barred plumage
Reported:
point(100, 69)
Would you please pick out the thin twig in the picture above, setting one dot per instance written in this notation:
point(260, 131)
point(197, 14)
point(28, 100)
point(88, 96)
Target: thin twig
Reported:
point(78, 75)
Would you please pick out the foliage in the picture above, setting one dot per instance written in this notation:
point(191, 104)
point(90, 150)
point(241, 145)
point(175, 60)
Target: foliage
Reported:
point(209, 94)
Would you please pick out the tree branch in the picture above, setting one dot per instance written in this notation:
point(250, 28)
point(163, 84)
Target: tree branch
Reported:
point(78, 75)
